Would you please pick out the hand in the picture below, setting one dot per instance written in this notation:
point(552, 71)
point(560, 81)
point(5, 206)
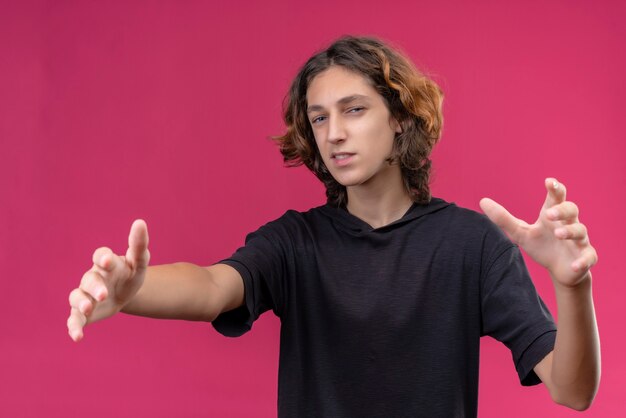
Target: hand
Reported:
point(111, 283)
point(557, 240)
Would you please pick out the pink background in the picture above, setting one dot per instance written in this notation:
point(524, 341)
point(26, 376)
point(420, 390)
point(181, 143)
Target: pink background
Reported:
point(110, 111)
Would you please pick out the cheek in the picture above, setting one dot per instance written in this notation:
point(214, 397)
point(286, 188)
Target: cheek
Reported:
point(382, 137)
point(319, 147)
point(317, 136)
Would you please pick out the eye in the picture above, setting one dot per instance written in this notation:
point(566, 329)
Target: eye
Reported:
point(356, 109)
point(318, 119)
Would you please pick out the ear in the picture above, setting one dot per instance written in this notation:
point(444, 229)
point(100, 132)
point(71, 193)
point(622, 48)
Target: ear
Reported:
point(396, 126)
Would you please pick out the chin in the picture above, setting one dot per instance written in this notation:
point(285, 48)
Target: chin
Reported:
point(351, 182)
point(345, 179)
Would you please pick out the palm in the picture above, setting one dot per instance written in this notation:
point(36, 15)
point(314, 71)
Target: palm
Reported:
point(111, 283)
point(557, 240)
point(122, 284)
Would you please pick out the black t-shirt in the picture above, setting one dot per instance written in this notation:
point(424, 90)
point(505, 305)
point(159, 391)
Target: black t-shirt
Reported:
point(386, 322)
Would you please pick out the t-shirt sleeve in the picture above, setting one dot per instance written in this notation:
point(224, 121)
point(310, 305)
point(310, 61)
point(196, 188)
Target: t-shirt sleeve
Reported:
point(262, 264)
point(513, 312)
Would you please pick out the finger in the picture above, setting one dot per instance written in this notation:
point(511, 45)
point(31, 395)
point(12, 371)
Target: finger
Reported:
point(75, 324)
point(566, 212)
point(81, 301)
point(576, 232)
point(588, 259)
point(103, 258)
point(501, 217)
point(556, 192)
point(92, 283)
point(138, 253)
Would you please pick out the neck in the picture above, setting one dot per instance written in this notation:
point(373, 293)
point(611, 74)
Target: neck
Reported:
point(380, 203)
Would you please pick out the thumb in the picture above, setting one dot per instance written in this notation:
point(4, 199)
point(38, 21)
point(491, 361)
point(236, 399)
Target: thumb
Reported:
point(556, 192)
point(138, 254)
point(501, 217)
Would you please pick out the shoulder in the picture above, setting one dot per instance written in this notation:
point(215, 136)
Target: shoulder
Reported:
point(294, 217)
point(471, 229)
point(290, 223)
point(463, 219)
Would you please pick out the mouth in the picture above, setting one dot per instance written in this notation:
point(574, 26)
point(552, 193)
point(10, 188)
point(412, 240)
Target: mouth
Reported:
point(341, 158)
point(341, 155)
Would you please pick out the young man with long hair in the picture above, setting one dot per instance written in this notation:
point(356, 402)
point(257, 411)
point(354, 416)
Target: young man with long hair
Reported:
point(384, 292)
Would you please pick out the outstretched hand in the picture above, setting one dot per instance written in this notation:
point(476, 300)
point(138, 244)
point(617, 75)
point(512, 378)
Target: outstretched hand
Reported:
point(557, 240)
point(111, 283)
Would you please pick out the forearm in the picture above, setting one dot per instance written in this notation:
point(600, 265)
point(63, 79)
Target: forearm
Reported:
point(179, 291)
point(575, 372)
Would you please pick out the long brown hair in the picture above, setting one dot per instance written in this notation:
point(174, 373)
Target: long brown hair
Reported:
point(413, 100)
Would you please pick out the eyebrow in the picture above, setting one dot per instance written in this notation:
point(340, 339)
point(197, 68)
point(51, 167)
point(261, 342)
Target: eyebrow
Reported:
point(342, 101)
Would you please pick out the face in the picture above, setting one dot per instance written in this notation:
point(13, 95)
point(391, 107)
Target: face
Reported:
point(353, 128)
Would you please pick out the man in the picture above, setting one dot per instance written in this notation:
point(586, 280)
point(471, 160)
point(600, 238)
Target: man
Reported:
point(384, 292)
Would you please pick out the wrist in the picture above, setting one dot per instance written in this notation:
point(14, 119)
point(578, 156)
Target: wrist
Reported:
point(581, 285)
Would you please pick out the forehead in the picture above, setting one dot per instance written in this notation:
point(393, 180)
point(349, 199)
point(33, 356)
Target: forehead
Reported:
point(335, 83)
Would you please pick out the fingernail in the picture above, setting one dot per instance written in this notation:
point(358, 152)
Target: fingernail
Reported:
point(555, 185)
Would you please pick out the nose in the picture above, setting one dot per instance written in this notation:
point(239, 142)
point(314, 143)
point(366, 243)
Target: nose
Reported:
point(336, 130)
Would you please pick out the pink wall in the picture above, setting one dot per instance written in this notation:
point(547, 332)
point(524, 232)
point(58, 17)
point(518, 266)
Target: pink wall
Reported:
point(111, 111)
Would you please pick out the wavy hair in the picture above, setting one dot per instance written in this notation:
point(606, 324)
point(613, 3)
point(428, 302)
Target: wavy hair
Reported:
point(413, 99)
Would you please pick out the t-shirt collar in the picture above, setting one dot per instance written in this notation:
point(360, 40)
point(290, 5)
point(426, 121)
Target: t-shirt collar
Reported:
point(353, 224)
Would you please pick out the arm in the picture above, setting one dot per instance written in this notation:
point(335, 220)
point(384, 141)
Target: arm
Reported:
point(126, 283)
point(559, 242)
point(572, 371)
point(187, 291)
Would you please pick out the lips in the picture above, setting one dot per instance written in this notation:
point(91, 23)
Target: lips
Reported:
point(342, 158)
